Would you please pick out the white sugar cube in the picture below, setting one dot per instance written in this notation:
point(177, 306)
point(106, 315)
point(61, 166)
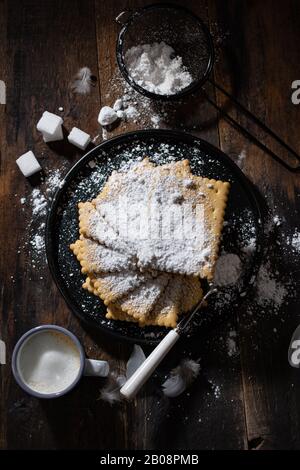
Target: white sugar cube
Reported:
point(51, 127)
point(107, 116)
point(28, 164)
point(79, 138)
point(58, 135)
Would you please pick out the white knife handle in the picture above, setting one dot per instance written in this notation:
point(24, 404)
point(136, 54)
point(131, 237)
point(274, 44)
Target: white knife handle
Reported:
point(142, 374)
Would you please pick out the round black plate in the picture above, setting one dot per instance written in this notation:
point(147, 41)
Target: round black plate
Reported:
point(84, 181)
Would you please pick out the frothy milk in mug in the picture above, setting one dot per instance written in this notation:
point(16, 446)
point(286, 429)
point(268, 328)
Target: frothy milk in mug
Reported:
point(48, 362)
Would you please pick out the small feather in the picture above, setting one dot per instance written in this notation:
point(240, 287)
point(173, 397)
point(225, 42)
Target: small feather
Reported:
point(111, 392)
point(136, 359)
point(181, 377)
point(83, 81)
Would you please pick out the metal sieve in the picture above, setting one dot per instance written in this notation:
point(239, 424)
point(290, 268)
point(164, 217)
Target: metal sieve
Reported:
point(191, 40)
point(177, 27)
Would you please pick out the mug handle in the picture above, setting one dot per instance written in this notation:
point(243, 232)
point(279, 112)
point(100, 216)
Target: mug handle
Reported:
point(95, 368)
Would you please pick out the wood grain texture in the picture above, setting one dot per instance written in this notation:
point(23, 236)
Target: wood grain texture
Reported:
point(239, 402)
point(3, 324)
point(266, 59)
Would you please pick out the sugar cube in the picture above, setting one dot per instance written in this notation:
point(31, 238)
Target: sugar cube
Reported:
point(118, 105)
point(121, 114)
point(107, 116)
point(51, 127)
point(28, 164)
point(79, 138)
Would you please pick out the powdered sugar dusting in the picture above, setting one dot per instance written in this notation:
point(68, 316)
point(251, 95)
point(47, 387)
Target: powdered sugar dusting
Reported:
point(232, 349)
point(144, 222)
point(295, 241)
point(270, 291)
point(39, 200)
point(228, 269)
point(156, 68)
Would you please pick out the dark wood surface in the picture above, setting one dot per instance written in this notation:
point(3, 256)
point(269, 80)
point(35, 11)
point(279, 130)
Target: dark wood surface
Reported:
point(42, 45)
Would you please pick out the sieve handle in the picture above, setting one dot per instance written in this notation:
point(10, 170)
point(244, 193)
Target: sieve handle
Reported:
point(260, 124)
point(123, 17)
point(142, 374)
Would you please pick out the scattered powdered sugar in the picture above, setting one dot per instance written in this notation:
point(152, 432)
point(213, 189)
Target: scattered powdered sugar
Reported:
point(54, 181)
point(249, 247)
point(241, 158)
point(131, 112)
point(38, 243)
point(270, 291)
point(155, 119)
point(228, 269)
point(104, 134)
point(216, 389)
point(133, 106)
point(39, 202)
point(231, 344)
point(295, 241)
point(155, 68)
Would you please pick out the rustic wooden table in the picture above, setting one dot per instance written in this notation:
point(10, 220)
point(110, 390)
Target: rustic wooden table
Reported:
point(242, 401)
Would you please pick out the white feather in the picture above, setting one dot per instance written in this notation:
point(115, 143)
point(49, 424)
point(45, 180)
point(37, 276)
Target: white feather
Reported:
point(111, 392)
point(136, 359)
point(181, 377)
point(83, 81)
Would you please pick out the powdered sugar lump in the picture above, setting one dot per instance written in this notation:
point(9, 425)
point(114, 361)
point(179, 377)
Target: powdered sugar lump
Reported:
point(155, 68)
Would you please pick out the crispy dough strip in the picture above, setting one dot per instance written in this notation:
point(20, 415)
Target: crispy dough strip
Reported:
point(115, 313)
point(139, 303)
point(212, 195)
point(96, 258)
point(114, 184)
point(111, 287)
point(167, 307)
point(180, 296)
point(117, 181)
point(122, 316)
point(192, 293)
point(92, 225)
point(215, 200)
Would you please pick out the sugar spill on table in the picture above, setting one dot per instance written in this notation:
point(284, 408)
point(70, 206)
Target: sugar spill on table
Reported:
point(294, 241)
point(270, 291)
point(240, 159)
point(38, 200)
point(151, 113)
point(232, 349)
point(216, 389)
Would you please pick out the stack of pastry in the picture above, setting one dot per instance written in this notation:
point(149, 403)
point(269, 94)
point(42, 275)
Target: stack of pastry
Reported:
point(147, 240)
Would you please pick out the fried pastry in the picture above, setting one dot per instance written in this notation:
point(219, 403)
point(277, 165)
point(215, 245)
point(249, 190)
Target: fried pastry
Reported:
point(147, 239)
